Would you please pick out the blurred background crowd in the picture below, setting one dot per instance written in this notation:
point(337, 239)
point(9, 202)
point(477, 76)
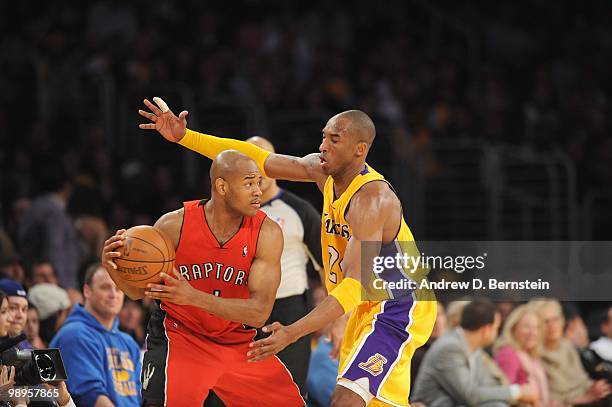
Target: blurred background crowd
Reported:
point(493, 119)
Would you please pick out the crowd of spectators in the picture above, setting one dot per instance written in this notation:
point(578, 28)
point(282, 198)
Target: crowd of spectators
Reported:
point(70, 176)
point(495, 74)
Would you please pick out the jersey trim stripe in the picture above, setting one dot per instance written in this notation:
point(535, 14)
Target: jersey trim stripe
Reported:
point(401, 349)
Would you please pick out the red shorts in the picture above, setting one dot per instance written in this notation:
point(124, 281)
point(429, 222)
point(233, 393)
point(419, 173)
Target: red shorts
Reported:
point(180, 368)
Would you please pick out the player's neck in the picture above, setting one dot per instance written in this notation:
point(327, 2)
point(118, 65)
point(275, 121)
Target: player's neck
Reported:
point(343, 179)
point(220, 219)
point(270, 193)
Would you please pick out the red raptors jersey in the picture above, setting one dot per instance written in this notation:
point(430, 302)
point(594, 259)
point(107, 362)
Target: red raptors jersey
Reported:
point(221, 270)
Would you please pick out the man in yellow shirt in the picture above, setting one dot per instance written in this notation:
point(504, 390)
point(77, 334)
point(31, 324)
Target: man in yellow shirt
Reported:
point(376, 344)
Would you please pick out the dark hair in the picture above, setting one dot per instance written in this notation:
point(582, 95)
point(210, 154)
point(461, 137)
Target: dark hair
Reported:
point(477, 314)
point(30, 265)
point(570, 311)
point(2, 296)
point(600, 317)
point(90, 272)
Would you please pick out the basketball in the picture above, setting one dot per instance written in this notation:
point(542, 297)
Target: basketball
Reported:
point(146, 253)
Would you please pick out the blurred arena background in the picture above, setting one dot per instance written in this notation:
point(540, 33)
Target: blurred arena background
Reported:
point(493, 119)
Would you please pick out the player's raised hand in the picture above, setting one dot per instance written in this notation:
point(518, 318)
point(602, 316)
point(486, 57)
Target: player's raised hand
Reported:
point(175, 289)
point(111, 249)
point(164, 121)
point(280, 338)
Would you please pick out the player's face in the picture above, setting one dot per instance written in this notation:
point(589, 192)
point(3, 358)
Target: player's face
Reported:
point(266, 183)
point(244, 192)
point(103, 295)
point(337, 147)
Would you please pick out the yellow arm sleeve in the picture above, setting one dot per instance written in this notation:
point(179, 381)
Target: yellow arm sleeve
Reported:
point(211, 146)
point(348, 294)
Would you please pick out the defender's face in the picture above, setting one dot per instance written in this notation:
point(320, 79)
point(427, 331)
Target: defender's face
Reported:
point(337, 147)
point(244, 190)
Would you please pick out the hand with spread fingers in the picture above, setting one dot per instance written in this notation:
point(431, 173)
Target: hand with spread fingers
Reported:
point(7, 378)
point(176, 290)
point(281, 337)
point(111, 248)
point(164, 121)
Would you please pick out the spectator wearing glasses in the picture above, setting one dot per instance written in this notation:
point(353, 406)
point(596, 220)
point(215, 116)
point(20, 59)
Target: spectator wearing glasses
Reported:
point(567, 379)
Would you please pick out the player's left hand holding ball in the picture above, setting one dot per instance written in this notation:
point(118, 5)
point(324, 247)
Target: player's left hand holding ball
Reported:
point(281, 337)
point(176, 289)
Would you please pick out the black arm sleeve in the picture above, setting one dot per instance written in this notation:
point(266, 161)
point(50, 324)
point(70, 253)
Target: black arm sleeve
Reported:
point(311, 220)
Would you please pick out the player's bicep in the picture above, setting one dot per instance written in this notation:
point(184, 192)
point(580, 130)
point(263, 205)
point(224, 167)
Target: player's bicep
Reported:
point(265, 272)
point(292, 168)
point(366, 217)
point(171, 224)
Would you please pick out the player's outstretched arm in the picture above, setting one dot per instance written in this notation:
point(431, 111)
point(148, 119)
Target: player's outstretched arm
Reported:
point(367, 215)
point(279, 166)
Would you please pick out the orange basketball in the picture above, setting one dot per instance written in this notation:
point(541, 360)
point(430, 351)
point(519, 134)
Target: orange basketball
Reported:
point(146, 253)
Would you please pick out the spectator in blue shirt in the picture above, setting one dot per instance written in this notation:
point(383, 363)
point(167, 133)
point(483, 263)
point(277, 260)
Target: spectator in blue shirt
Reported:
point(103, 364)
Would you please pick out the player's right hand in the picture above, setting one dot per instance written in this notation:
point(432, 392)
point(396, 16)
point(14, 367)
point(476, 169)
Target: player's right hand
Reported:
point(164, 121)
point(335, 335)
point(111, 249)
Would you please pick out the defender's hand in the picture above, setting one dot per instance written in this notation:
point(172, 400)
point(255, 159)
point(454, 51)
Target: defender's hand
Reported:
point(280, 338)
point(335, 335)
point(164, 121)
point(176, 289)
point(111, 249)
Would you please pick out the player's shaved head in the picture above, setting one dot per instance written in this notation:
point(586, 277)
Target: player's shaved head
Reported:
point(230, 163)
point(262, 142)
point(360, 125)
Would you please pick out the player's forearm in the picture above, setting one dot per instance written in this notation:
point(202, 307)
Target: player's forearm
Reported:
point(326, 312)
point(211, 146)
point(250, 311)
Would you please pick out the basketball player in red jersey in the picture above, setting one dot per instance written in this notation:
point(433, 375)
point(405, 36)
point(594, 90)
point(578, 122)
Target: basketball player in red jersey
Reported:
point(227, 272)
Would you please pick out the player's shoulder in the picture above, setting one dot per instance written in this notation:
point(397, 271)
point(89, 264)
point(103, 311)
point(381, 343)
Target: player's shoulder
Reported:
point(171, 224)
point(170, 218)
point(373, 195)
point(270, 229)
point(270, 237)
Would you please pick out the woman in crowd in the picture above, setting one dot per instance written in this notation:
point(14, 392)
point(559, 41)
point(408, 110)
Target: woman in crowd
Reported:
point(568, 381)
point(518, 352)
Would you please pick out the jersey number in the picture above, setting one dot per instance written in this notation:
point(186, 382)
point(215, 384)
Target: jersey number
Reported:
point(333, 259)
